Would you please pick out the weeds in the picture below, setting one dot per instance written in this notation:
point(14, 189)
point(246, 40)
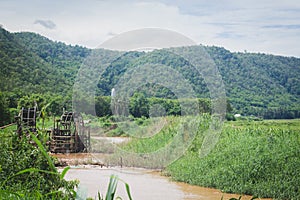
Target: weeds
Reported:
point(258, 159)
point(28, 172)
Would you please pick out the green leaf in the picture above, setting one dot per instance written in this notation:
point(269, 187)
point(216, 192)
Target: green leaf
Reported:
point(112, 187)
point(41, 147)
point(128, 191)
point(65, 170)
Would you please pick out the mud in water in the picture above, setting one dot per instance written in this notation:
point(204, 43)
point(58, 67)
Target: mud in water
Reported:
point(76, 159)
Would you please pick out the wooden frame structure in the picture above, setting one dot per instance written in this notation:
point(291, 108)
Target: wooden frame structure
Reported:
point(69, 134)
point(26, 120)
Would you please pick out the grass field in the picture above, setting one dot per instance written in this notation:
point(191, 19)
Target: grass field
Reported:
point(261, 158)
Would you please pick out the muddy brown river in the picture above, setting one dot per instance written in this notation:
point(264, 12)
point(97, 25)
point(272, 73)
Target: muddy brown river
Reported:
point(144, 184)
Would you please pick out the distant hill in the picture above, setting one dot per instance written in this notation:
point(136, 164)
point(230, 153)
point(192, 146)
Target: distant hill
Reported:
point(21, 69)
point(256, 84)
point(31, 63)
point(66, 59)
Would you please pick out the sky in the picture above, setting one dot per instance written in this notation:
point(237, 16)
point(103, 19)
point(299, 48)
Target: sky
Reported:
point(265, 26)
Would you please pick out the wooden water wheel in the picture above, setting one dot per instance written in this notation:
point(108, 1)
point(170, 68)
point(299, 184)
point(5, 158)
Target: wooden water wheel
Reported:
point(26, 120)
point(69, 134)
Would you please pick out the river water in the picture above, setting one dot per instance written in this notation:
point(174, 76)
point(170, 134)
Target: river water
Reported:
point(145, 184)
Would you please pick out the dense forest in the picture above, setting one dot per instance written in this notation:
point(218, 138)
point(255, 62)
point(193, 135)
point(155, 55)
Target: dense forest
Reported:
point(34, 68)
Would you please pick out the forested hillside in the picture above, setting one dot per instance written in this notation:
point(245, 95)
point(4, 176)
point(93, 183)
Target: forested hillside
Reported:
point(260, 84)
point(256, 84)
point(66, 59)
point(34, 67)
point(23, 71)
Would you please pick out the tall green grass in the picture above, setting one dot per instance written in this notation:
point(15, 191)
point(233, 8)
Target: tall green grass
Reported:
point(167, 134)
point(260, 158)
point(157, 141)
point(257, 158)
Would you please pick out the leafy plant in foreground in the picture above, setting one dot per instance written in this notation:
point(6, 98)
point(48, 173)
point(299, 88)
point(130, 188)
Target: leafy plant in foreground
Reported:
point(111, 190)
point(112, 187)
point(28, 172)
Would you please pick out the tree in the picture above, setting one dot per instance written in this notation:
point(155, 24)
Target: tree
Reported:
point(102, 106)
point(139, 105)
point(4, 110)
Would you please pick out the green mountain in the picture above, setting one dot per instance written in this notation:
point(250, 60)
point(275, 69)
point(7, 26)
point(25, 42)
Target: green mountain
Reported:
point(19, 66)
point(256, 84)
point(66, 59)
point(259, 83)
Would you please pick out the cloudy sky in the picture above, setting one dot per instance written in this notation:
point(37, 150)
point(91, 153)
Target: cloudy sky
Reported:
point(267, 26)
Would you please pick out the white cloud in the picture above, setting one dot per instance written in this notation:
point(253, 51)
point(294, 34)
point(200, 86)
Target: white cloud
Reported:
point(45, 23)
point(257, 25)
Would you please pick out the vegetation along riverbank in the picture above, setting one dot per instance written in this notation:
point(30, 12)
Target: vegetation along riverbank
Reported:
point(261, 158)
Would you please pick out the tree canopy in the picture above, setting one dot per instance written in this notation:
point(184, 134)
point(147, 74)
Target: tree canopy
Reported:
point(256, 84)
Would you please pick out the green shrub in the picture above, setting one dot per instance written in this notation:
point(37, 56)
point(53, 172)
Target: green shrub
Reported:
point(28, 172)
